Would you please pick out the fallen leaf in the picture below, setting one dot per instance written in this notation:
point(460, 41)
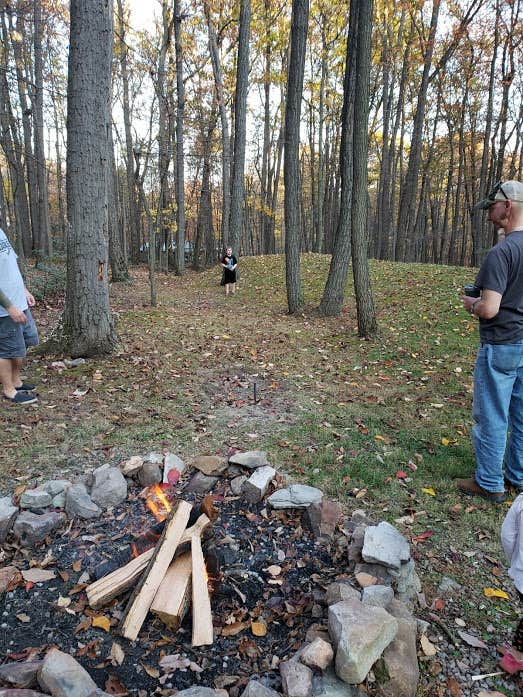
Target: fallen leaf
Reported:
point(445, 441)
point(259, 628)
point(117, 654)
point(495, 593)
point(472, 640)
point(429, 491)
point(63, 602)
point(103, 622)
point(274, 570)
point(151, 670)
point(488, 693)
point(38, 575)
point(77, 565)
point(454, 688)
point(428, 648)
point(460, 622)
point(234, 628)
point(401, 475)
point(114, 687)
point(23, 617)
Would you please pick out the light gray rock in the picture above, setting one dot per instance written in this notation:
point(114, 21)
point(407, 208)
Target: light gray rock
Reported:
point(329, 685)
point(109, 486)
point(13, 692)
point(448, 586)
point(172, 462)
point(360, 634)
point(31, 528)
point(255, 488)
point(401, 661)
point(59, 500)
point(408, 584)
point(296, 679)
point(79, 503)
point(236, 484)
point(156, 458)
point(20, 674)
point(150, 474)
point(379, 596)
point(295, 496)
point(131, 467)
point(199, 692)
point(62, 676)
point(250, 459)
point(35, 498)
point(341, 590)
point(383, 544)
point(56, 486)
point(75, 362)
point(256, 689)
point(7, 516)
point(318, 654)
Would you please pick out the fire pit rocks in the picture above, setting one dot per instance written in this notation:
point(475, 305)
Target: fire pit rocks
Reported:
point(298, 597)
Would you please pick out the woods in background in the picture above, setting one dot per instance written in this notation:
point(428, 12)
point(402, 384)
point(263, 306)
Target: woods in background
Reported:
point(199, 118)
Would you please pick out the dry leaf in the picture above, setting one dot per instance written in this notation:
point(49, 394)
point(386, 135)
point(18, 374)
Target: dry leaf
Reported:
point(472, 640)
point(428, 648)
point(63, 602)
point(23, 617)
point(454, 688)
point(274, 570)
point(259, 628)
point(495, 593)
point(77, 565)
point(151, 670)
point(38, 575)
point(117, 654)
point(234, 628)
point(102, 621)
point(114, 687)
point(488, 693)
point(430, 491)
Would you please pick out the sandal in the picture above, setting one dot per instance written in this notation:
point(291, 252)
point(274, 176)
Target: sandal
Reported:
point(25, 387)
point(23, 398)
point(510, 664)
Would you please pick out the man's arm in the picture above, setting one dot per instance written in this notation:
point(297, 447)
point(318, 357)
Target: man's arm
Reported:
point(485, 307)
point(4, 300)
point(15, 313)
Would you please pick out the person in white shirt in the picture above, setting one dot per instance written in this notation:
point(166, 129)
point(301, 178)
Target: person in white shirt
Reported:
point(512, 541)
point(17, 327)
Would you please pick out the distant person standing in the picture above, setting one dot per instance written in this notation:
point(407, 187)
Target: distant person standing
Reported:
point(498, 372)
point(17, 327)
point(230, 264)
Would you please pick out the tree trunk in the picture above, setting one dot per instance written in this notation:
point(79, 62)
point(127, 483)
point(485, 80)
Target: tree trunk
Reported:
point(240, 127)
point(291, 165)
point(117, 260)
point(180, 178)
point(87, 322)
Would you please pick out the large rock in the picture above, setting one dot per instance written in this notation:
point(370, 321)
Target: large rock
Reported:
point(400, 656)
point(173, 468)
point(79, 503)
point(257, 689)
point(384, 545)
point(210, 465)
point(380, 596)
point(31, 528)
point(20, 674)
point(150, 474)
point(109, 486)
point(323, 518)
point(7, 516)
point(200, 483)
point(295, 496)
point(327, 684)
point(35, 498)
point(296, 679)
point(318, 654)
point(255, 488)
point(62, 676)
point(56, 486)
point(251, 459)
point(341, 590)
point(360, 634)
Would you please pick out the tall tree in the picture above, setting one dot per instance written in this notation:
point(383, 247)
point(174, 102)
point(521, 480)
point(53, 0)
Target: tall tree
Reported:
point(291, 165)
point(240, 127)
point(87, 322)
point(180, 175)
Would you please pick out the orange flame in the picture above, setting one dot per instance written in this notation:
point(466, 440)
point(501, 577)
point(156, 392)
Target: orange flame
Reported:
point(158, 503)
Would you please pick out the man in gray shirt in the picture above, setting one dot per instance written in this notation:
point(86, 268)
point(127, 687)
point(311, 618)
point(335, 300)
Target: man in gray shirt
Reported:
point(498, 372)
point(17, 327)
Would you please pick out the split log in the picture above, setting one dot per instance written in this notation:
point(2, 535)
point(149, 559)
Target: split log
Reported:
point(104, 590)
point(202, 630)
point(143, 596)
point(172, 599)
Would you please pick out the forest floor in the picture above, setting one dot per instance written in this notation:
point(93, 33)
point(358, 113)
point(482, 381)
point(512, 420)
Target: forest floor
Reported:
point(382, 424)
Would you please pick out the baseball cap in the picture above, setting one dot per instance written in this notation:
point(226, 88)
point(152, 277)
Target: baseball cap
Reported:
point(503, 191)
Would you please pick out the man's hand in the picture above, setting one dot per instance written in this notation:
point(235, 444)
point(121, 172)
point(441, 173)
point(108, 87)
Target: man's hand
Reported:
point(30, 298)
point(16, 314)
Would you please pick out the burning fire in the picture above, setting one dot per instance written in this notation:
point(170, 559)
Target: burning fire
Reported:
point(157, 503)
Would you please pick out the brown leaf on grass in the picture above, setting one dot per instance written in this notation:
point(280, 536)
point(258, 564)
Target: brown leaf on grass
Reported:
point(428, 648)
point(454, 687)
point(151, 670)
point(10, 578)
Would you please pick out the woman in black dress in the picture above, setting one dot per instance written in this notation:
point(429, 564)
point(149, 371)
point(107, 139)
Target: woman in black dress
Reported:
point(230, 264)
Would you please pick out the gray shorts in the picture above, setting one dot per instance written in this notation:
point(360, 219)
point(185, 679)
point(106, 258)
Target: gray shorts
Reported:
point(14, 337)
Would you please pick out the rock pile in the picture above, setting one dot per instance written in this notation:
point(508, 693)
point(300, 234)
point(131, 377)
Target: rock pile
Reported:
point(366, 629)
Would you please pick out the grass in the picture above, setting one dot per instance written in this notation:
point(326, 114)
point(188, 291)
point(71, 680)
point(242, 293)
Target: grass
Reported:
point(333, 410)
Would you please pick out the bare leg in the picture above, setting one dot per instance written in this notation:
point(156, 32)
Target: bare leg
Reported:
point(16, 367)
point(233, 288)
point(226, 289)
point(6, 376)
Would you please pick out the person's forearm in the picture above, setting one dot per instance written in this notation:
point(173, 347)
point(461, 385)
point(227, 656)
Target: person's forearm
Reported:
point(4, 300)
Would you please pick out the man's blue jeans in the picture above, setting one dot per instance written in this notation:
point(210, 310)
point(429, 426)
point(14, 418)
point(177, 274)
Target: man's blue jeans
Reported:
point(498, 408)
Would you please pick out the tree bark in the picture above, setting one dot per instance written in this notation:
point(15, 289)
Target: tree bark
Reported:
point(87, 322)
point(180, 105)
